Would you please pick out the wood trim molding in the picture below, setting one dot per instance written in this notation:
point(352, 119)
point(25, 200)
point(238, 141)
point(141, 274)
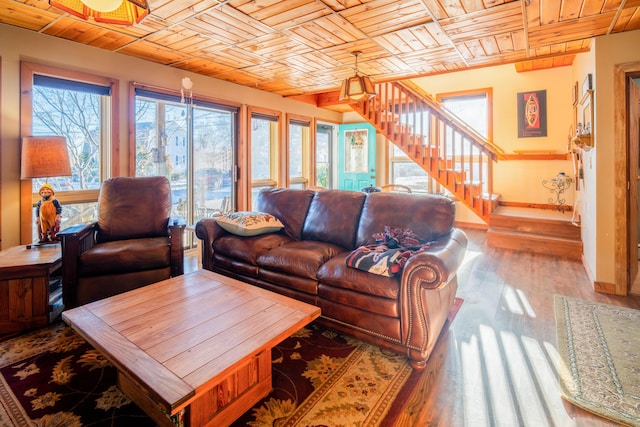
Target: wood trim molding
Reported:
point(620, 74)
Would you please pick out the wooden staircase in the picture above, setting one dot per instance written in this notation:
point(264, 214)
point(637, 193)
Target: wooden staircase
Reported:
point(534, 230)
point(455, 155)
point(461, 160)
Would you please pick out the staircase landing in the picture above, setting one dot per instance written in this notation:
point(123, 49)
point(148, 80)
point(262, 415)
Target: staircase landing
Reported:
point(540, 231)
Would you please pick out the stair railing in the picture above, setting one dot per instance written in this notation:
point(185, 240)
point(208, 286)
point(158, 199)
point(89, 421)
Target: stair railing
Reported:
point(450, 151)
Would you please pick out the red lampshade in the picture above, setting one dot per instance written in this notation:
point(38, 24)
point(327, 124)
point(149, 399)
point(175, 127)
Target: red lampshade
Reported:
point(44, 157)
point(127, 12)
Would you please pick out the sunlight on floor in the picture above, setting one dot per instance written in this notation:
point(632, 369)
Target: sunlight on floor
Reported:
point(510, 379)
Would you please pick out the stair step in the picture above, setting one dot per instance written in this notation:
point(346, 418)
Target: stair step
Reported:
point(536, 221)
point(548, 245)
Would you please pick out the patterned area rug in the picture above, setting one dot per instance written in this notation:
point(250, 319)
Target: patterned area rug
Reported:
point(599, 348)
point(52, 377)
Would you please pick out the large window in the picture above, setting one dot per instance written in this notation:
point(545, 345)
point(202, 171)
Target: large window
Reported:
point(264, 137)
point(472, 107)
point(193, 145)
point(299, 151)
point(78, 107)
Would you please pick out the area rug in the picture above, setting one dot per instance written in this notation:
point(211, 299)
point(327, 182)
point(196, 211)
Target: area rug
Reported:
point(53, 378)
point(599, 347)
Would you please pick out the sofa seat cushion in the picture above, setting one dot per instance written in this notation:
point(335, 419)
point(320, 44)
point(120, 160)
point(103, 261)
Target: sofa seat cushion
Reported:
point(124, 256)
point(248, 249)
point(301, 258)
point(336, 273)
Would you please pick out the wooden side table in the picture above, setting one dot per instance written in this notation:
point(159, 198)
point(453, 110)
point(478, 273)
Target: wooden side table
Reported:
point(30, 288)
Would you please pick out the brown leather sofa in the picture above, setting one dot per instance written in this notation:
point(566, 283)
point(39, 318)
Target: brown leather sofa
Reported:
point(134, 242)
point(306, 261)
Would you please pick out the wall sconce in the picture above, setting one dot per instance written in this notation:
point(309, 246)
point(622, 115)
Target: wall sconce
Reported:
point(357, 88)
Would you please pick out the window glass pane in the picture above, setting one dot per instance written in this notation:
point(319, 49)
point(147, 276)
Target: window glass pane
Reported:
point(213, 136)
point(192, 145)
point(77, 116)
point(76, 111)
point(262, 130)
point(324, 139)
point(296, 135)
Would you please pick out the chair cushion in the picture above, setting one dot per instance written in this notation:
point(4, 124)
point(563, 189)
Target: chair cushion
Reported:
point(133, 207)
point(249, 223)
point(125, 256)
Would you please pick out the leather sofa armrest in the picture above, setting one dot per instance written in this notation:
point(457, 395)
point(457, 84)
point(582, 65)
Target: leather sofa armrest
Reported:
point(427, 289)
point(176, 226)
point(208, 230)
point(75, 240)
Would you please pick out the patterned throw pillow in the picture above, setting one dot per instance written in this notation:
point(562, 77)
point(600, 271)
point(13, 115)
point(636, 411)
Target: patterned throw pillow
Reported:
point(249, 223)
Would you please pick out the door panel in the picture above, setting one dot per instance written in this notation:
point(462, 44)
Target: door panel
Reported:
point(356, 156)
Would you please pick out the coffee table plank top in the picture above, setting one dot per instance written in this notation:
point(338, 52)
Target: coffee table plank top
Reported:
point(187, 330)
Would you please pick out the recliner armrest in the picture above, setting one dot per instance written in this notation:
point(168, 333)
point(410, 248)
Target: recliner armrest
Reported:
point(176, 227)
point(75, 240)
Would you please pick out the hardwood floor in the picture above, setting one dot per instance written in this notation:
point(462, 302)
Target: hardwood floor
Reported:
point(496, 364)
point(498, 359)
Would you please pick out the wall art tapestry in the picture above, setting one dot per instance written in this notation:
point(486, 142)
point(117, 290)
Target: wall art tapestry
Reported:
point(532, 114)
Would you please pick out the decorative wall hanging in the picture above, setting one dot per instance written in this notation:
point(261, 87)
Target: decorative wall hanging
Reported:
point(356, 154)
point(532, 114)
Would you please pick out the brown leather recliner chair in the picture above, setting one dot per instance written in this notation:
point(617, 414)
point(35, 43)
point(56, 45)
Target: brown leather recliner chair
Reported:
point(134, 243)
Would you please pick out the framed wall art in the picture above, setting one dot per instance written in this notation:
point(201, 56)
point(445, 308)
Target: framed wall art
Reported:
point(532, 114)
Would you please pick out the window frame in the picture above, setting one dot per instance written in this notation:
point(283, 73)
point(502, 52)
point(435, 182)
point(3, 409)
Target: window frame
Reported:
point(109, 157)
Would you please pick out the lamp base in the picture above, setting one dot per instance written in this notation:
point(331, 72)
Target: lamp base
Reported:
point(36, 245)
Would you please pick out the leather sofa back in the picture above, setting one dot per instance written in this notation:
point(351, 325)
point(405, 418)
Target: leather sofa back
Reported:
point(290, 206)
point(333, 217)
point(120, 215)
point(429, 216)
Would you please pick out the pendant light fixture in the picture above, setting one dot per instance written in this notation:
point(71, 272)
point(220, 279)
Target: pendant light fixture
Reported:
point(357, 88)
point(118, 12)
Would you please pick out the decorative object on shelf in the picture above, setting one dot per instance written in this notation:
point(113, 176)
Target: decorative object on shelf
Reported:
point(557, 186)
point(582, 139)
point(118, 12)
point(358, 87)
point(46, 157)
point(532, 114)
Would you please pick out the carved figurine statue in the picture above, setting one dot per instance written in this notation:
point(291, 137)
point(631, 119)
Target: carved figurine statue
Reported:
point(48, 215)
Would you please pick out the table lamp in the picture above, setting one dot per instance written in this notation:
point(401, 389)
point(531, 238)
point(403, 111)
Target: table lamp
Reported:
point(45, 157)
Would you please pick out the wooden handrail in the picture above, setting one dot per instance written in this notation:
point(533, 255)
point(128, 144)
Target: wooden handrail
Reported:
point(450, 151)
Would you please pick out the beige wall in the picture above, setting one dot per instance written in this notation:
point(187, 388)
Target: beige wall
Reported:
point(600, 234)
point(30, 46)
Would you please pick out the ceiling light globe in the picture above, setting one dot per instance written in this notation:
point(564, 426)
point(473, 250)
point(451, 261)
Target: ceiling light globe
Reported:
point(103, 5)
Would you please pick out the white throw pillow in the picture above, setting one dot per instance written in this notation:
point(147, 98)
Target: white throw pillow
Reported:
point(249, 223)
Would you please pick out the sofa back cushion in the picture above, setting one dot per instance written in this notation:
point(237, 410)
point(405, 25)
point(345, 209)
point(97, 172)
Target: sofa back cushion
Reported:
point(429, 216)
point(333, 217)
point(290, 206)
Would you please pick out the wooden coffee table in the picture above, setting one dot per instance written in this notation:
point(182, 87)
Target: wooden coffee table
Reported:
point(195, 347)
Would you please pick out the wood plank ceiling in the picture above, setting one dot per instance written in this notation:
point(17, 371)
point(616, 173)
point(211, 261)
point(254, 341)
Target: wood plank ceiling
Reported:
point(298, 47)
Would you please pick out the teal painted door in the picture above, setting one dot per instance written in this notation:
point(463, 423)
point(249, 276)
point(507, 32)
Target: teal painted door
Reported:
point(356, 156)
